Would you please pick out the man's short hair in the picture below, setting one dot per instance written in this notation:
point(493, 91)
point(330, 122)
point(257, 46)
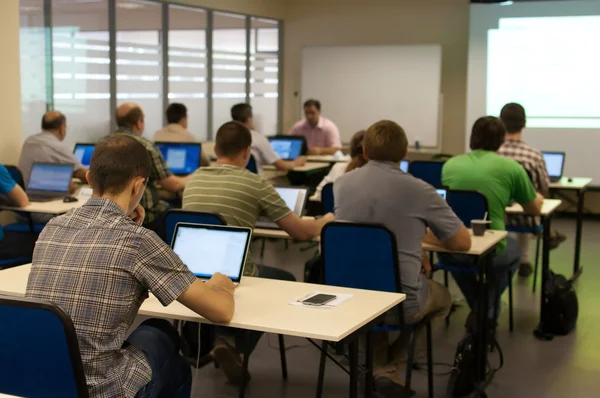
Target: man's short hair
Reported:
point(176, 112)
point(313, 102)
point(53, 123)
point(385, 141)
point(513, 117)
point(487, 134)
point(232, 139)
point(118, 159)
point(241, 112)
point(131, 118)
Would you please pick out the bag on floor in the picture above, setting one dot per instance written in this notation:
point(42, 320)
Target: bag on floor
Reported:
point(562, 307)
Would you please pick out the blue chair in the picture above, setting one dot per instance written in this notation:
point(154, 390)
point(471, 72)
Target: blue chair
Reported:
point(327, 198)
point(348, 249)
point(175, 216)
point(40, 354)
point(471, 205)
point(13, 262)
point(427, 170)
point(251, 166)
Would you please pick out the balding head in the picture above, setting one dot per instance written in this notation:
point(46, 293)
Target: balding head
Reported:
point(130, 116)
point(56, 123)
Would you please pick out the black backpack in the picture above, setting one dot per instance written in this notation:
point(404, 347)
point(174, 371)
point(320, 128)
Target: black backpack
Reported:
point(561, 308)
point(313, 270)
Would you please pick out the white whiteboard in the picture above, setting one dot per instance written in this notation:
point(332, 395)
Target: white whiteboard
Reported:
point(360, 85)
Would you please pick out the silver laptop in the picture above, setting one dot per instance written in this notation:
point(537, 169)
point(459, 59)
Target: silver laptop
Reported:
point(294, 198)
point(555, 164)
point(207, 249)
point(49, 181)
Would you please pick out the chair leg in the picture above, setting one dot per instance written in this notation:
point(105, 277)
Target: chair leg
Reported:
point(429, 361)
point(447, 320)
point(510, 302)
point(537, 262)
point(409, 362)
point(283, 358)
point(262, 248)
point(321, 369)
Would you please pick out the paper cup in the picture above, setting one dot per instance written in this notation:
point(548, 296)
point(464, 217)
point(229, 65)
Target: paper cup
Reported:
point(479, 226)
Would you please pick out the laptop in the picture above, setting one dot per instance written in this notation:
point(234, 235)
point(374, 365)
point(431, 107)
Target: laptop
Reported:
point(443, 193)
point(404, 165)
point(555, 163)
point(83, 152)
point(49, 181)
point(294, 198)
point(183, 158)
point(207, 249)
point(288, 147)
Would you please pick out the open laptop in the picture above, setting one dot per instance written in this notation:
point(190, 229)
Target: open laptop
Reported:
point(555, 163)
point(443, 193)
point(83, 152)
point(207, 249)
point(49, 181)
point(404, 165)
point(183, 158)
point(294, 198)
point(288, 147)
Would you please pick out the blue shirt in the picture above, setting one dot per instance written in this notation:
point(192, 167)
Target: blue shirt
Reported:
point(6, 185)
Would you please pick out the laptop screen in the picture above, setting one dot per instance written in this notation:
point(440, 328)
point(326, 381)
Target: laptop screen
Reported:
point(207, 249)
point(443, 193)
point(404, 165)
point(294, 198)
point(182, 158)
point(83, 153)
point(554, 163)
point(50, 177)
point(286, 148)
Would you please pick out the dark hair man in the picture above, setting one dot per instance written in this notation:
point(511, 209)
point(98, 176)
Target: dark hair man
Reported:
point(322, 135)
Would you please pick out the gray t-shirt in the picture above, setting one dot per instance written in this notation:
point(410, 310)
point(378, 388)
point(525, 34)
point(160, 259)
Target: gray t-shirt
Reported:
point(45, 147)
point(382, 193)
point(262, 151)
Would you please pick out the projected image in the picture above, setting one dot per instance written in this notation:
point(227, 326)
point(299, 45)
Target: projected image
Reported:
point(545, 64)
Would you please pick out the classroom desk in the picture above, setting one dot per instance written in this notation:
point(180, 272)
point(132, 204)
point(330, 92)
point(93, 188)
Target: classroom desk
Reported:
point(301, 169)
point(263, 305)
point(328, 158)
point(55, 207)
point(548, 209)
point(579, 185)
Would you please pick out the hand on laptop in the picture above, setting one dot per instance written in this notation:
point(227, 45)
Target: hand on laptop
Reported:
point(138, 215)
point(221, 282)
point(300, 161)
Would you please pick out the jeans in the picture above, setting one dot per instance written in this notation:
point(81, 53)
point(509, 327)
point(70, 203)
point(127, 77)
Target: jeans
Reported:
point(246, 341)
point(508, 260)
point(171, 374)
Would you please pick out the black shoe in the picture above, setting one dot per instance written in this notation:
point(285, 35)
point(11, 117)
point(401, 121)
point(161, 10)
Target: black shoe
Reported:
point(387, 388)
point(525, 270)
point(556, 240)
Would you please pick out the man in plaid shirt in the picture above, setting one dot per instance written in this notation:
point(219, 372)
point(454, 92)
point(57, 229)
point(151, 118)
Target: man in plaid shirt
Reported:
point(97, 263)
point(514, 119)
point(130, 120)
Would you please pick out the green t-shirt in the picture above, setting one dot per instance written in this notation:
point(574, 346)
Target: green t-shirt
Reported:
point(500, 180)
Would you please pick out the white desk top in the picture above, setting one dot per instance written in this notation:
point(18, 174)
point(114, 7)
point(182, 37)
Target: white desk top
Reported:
point(51, 207)
point(479, 244)
point(549, 207)
point(328, 158)
point(307, 167)
point(263, 305)
point(576, 183)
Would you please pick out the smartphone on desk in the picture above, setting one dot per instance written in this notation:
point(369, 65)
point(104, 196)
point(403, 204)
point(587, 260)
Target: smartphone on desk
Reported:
point(319, 299)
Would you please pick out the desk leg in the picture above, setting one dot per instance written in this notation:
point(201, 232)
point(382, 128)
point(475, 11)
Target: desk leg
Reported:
point(245, 365)
point(369, 364)
point(578, 232)
point(539, 331)
point(354, 369)
point(484, 279)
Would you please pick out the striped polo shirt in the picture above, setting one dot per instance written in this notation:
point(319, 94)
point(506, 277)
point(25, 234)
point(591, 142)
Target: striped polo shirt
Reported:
point(237, 194)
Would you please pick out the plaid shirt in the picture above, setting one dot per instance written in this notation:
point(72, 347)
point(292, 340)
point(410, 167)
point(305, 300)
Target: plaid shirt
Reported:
point(533, 162)
point(98, 265)
point(151, 201)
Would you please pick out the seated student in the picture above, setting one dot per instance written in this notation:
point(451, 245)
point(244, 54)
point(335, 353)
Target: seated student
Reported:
point(500, 180)
point(380, 192)
point(357, 160)
point(130, 120)
point(513, 117)
point(261, 147)
point(241, 196)
point(48, 147)
point(14, 244)
point(176, 130)
point(98, 263)
point(322, 135)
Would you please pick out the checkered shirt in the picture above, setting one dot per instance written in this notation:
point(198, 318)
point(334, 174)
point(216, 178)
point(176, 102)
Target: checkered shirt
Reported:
point(98, 266)
point(150, 200)
point(533, 162)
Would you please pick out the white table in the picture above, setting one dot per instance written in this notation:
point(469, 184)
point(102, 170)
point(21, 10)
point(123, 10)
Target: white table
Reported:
point(579, 185)
point(328, 158)
point(263, 305)
point(301, 169)
point(51, 207)
point(548, 207)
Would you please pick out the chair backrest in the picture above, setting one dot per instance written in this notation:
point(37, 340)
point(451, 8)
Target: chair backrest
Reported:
point(39, 351)
point(327, 198)
point(468, 205)
point(16, 175)
point(251, 166)
point(427, 170)
point(175, 216)
point(361, 256)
